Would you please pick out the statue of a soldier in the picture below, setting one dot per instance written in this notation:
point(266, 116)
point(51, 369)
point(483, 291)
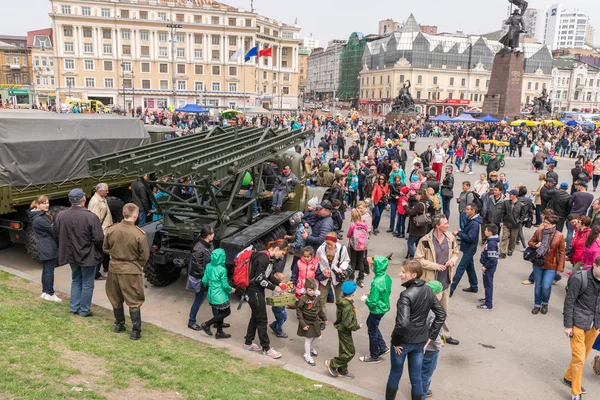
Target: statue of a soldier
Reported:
point(516, 27)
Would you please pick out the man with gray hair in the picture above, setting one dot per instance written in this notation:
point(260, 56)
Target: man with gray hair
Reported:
point(79, 235)
point(99, 206)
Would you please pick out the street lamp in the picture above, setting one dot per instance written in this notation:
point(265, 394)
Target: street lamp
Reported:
point(124, 102)
point(173, 27)
point(69, 86)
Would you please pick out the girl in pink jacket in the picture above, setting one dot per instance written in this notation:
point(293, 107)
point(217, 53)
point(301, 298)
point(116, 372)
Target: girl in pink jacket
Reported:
point(307, 268)
point(591, 249)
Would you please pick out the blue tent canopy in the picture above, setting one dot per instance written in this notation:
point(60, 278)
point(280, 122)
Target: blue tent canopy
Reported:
point(589, 124)
point(192, 108)
point(489, 118)
point(572, 123)
point(465, 118)
point(441, 118)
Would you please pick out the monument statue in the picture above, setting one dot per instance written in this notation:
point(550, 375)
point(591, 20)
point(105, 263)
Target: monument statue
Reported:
point(515, 28)
point(404, 103)
point(542, 105)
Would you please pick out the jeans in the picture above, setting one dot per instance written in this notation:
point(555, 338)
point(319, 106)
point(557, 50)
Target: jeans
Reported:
point(280, 317)
point(446, 207)
point(376, 343)
point(430, 359)
point(249, 196)
point(198, 300)
point(400, 224)
point(462, 220)
point(538, 215)
point(278, 198)
point(414, 352)
point(412, 243)
point(377, 211)
point(393, 213)
point(488, 285)
point(543, 279)
point(458, 162)
point(470, 164)
point(142, 218)
point(48, 276)
point(466, 263)
point(82, 289)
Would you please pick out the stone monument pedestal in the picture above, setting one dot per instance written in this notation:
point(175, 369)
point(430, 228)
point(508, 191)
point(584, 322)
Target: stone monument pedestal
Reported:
point(503, 98)
point(400, 117)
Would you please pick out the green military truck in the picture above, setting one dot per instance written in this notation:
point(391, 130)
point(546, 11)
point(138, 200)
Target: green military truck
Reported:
point(203, 179)
point(47, 153)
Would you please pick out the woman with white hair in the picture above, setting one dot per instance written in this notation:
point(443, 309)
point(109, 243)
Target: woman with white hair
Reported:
point(334, 267)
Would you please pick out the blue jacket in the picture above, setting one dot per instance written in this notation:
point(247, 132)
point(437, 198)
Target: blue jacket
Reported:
point(469, 236)
point(320, 229)
point(489, 255)
point(44, 235)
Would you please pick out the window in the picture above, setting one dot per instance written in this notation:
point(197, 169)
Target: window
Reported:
point(232, 22)
point(163, 68)
point(419, 79)
point(216, 70)
point(66, 9)
point(69, 47)
point(88, 48)
point(179, 17)
point(214, 20)
point(105, 12)
point(233, 87)
point(144, 35)
point(477, 81)
point(452, 81)
point(537, 86)
point(125, 34)
point(162, 51)
point(181, 85)
point(216, 86)
point(451, 95)
point(288, 35)
point(286, 90)
point(180, 37)
point(418, 94)
point(198, 86)
point(162, 16)
point(68, 31)
point(232, 40)
point(181, 68)
point(248, 22)
point(107, 49)
point(69, 64)
point(274, 89)
point(164, 84)
point(143, 14)
point(145, 67)
point(145, 51)
point(216, 39)
point(216, 55)
point(126, 66)
point(86, 11)
point(286, 77)
point(180, 52)
point(90, 82)
point(36, 61)
point(529, 86)
point(198, 69)
point(87, 32)
point(284, 51)
point(108, 82)
point(70, 81)
point(127, 83)
point(463, 82)
point(197, 38)
point(197, 19)
point(162, 36)
point(88, 65)
point(283, 63)
point(145, 83)
point(108, 65)
point(198, 53)
point(232, 71)
point(265, 75)
point(106, 34)
point(126, 50)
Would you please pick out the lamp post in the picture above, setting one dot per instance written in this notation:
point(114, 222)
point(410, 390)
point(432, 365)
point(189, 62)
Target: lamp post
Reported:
point(69, 86)
point(173, 27)
point(123, 80)
point(132, 92)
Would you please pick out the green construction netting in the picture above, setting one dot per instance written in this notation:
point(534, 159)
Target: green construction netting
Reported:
point(350, 66)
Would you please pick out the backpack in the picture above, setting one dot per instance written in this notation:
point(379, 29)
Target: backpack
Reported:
point(584, 283)
point(477, 200)
point(241, 267)
point(360, 239)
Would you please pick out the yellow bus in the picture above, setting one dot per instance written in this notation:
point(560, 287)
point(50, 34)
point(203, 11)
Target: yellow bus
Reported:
point(86, 105)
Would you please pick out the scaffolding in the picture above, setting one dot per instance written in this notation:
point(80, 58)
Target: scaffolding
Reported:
point(350, 67)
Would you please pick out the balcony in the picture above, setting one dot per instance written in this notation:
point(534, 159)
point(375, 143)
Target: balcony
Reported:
point(15, 66)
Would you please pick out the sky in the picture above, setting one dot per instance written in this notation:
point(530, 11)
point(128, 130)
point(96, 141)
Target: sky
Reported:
point(337, 19)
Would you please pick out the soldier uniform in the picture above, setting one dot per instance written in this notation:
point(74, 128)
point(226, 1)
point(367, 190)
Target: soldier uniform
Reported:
point(127, 247)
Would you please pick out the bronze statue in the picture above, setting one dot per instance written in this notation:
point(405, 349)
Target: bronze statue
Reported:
point(542, 105)
point(516, 27)
point(404, 103)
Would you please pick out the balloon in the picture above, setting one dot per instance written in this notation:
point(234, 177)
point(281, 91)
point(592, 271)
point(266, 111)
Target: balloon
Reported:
point(247, 179)
point(401, 145)
point(404, 140)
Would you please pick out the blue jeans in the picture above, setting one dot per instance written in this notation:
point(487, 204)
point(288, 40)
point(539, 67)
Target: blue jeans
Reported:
point(377, 211)
point(82, 289)
point(280, 318)
point(141, 218)
point(278, 198)
point(376, 343)
point(543, 279)
point(470, 163)
point(414, 352)
point(446, 206)
point(393, 212)
point(430, 359)
point(488, 286)
point(458, 162)
point(249, 196)
point(198, 300)
point(48, 276)
point(538, 214)
point(462, 220)
point(466, 264)
point(412, 243)
point(400, 224)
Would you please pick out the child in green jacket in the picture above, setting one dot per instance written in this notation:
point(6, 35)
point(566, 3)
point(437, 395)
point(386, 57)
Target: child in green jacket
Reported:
point(345, 324)
point(215, 278)
point(378, 301)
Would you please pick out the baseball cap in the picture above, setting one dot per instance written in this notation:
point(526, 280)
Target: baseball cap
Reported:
point(551, 180)
point(514, 192)
point(76, 195)
point(564, 185)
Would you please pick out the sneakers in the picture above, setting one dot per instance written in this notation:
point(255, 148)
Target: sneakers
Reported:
point(484, 307)
point(481, 301)
point(43, 296)
point(281, 334)
point(332, 372)
point(576, 397)
point(313, 352)
point(347, 375)
point(309, 360)
point(502, 255)
point(222, 335)
point(252, 347)
point(536, 310)
point(384, 353)
point(368, 359)
point(429, 393)
point(569, 384)
point(53, 298)
point(274, 354)
point(526, 282)
point(360, 283)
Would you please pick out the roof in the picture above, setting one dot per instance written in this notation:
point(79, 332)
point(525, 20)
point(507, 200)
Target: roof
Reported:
point(40, 32)
point(569, 63)
point(303, 52)
point(411, 25)
point(4, 45)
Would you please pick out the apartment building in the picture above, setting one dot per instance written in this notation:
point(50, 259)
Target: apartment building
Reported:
point(158, 53)
point(15, 71)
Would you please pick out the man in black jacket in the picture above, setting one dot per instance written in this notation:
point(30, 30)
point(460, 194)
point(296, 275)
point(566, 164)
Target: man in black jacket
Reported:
point(513, 213)
point(142, 198)
point(493, 164)
point(547, 192)
point(581, 319)
point(354, 152)
point(426, 157)
point(561, 204)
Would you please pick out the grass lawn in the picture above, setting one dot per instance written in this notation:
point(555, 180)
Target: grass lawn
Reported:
point(47, 353)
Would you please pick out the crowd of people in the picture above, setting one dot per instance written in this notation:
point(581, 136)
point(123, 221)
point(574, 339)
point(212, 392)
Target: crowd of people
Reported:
point(373, 178)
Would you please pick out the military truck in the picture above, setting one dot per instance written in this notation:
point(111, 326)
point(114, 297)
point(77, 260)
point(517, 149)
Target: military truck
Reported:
point(203, 179)
point(46, 153)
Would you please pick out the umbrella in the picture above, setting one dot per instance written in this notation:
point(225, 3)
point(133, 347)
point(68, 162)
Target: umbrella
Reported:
point(589, 124)
point(554, 122)
point(489, 118)
point(598, 124)
point(192, 108)
point(572, 123)
point(527, 122)
point(465, 117)
point(230, 114)
point(441, 118)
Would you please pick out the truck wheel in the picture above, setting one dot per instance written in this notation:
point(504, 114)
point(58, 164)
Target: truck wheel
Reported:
point(157, 277)
point(4, 239)
point(31, 243)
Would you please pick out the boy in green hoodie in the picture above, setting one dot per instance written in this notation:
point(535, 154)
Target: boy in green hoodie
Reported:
point(378, 301)
point(215, 278)
point(345, 324)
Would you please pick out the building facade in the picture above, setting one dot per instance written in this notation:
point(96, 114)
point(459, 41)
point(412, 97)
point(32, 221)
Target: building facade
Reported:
point(575, 86)
point(302, 70)
point(160, 53)
point(567, 29)
point(43, 80)
point(15, 74)
point(310, 43)
point(324, 71)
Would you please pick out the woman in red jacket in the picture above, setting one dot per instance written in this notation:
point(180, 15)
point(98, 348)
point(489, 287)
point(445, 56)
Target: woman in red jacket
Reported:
point(380, 200)
point(582, 231)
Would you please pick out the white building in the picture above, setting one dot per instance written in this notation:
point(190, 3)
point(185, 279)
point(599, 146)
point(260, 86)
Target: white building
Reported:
point(575, 86)
point(567, 29)
point(309, 42)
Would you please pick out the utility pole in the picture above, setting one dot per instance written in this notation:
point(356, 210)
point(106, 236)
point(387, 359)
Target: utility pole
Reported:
point(173, 27)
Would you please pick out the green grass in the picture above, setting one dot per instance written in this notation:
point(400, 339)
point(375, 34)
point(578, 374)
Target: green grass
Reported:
point(45, 352)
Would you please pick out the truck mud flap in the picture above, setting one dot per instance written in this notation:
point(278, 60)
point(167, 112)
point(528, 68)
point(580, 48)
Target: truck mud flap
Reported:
point(151, 229)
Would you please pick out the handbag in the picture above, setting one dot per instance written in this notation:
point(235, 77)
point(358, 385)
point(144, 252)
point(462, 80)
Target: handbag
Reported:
point(193, 284)
point(446, 192)
point(529, 254)
point(422, 220)
point(346, 273)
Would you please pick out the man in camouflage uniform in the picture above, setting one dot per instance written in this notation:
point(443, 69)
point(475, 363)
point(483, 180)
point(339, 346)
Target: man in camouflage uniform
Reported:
point(127, 247)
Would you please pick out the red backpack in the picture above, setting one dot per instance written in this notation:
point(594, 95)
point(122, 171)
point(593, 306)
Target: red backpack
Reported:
point(241, 267)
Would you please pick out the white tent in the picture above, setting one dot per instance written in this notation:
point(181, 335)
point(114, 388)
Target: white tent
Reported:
point(257, 110)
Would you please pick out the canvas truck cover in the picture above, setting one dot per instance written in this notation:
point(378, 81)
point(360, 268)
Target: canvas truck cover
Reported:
point(39, 147)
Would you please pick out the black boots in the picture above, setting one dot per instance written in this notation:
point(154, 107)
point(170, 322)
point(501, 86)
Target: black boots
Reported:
point(119, 319)
point(390, 394)
point(417, 396)
point(136, 324)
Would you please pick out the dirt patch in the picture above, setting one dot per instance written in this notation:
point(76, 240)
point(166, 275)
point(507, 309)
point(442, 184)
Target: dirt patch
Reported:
point(91, 369)
point(136, 390)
